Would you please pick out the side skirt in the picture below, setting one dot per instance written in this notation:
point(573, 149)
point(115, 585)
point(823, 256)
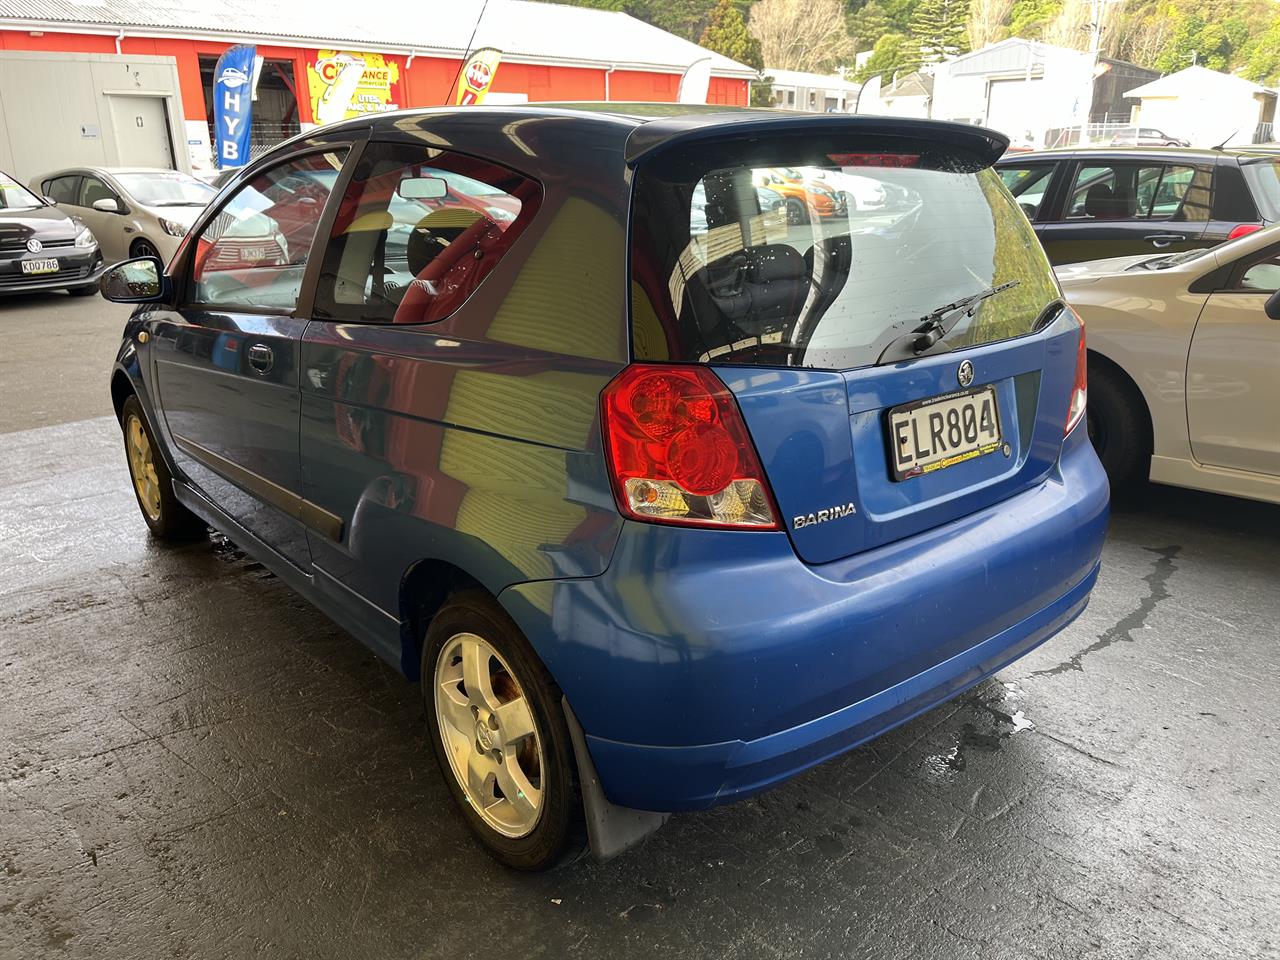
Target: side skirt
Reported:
point(377, 630)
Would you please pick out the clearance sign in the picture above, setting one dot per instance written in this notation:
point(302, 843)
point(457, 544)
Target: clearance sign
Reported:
point(344, 84)
point(477, 76)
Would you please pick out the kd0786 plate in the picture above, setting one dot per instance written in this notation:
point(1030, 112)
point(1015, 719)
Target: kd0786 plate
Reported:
point(939, 432)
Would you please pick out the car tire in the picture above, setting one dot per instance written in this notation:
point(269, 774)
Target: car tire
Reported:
point(144, 248)
point(1119, 428)
point(82, 291)
point(471, 635)
point(797, 213)
point(164, 514)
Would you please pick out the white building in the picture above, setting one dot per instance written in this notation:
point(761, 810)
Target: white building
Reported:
point(1024, 88)
point(796, 90)
point(1206, 107)
point(909, 95)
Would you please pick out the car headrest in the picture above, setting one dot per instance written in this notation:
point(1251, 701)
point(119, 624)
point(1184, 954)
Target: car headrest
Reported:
point(776, 261)
point(1098, 201)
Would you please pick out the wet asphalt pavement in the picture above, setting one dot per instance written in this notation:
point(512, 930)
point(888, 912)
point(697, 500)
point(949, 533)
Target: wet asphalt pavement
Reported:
point(195, 763)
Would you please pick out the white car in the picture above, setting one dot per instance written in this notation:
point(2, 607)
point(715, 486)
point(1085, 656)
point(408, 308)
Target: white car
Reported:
point(133, 211)
point(1184, 365)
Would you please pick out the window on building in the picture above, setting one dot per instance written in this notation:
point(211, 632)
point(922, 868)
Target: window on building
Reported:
point(254, 251)
point(417, 232)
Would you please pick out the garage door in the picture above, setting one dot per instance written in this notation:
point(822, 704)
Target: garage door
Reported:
point(1013, 108)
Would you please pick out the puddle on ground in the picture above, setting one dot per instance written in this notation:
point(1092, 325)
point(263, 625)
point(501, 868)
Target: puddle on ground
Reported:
point(1000, 717)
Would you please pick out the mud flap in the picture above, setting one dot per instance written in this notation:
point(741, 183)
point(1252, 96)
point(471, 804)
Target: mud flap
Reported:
point(611, 829)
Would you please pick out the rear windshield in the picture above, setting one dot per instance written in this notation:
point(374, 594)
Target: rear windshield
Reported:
point(1264, 183)
point(821, 255)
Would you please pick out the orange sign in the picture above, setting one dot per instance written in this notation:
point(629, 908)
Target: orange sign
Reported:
point(477, 76)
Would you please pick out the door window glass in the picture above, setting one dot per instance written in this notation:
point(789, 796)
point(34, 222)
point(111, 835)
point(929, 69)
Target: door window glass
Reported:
point(93, 189)
point(1263, 276)
point(417, 232)
point(62, 189)
point(1139, 191)
point(253, 253)
point(1028, 186)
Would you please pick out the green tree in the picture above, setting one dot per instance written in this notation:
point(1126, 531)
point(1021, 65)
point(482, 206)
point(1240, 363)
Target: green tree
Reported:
point(1029, 18)
point(940, 27)
point(868, 24)
point(893, 53)
point(727, 34)
point(1261, 56)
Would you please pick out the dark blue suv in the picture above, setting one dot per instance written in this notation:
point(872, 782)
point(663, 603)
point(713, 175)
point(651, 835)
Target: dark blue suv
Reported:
point(663, 498)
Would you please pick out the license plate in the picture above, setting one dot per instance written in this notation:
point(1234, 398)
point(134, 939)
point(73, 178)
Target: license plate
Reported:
point(252, 253)
point(937, 433)
point(39, 266)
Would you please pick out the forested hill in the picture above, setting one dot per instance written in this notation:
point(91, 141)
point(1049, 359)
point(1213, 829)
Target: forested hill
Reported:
point(1237, 36)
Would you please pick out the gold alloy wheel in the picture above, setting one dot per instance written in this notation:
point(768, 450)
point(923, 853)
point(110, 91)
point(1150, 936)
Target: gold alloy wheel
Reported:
point(489, 733)
point(142, 467)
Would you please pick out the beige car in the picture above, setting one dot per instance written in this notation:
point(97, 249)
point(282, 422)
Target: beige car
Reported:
point(133, 211)
point(1184, 365)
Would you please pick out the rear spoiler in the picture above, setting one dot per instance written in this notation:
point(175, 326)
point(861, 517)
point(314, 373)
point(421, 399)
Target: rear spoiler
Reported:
point(657, 136)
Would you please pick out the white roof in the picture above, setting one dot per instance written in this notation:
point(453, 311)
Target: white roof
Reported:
point(525, 31)
point(814, 81)
point(1196, 80)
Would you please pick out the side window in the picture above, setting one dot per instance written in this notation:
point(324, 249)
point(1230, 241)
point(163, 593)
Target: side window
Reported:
point(1263, 276)
point(417, 232)
point(1114, 191)
point(92, 189)
point(254, 251)
point(1028, 186)
point(61, 189)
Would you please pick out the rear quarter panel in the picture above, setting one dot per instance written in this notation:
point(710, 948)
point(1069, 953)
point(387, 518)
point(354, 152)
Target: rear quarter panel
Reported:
point(1143, 322)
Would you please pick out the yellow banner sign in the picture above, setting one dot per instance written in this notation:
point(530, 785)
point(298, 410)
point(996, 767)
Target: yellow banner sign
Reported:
point(477, 76)
point(344, 84)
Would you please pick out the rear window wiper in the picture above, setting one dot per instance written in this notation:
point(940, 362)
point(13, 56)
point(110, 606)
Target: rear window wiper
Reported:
point(936, 324)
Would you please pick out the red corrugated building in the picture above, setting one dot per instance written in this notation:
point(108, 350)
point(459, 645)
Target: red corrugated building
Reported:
point(409, 52)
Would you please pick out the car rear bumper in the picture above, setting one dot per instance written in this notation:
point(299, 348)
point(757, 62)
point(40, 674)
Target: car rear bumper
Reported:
point(78, 269)
point(705, 666)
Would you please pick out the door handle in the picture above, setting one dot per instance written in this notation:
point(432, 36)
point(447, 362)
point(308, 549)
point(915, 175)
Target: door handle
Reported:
point(1163, 239)
point(261, 357)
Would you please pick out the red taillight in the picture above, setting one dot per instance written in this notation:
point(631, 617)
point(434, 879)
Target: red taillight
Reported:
point(1080, 388)
point(1244, 230)
point(679, 451)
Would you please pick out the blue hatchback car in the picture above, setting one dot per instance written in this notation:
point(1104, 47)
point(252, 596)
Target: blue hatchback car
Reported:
point(664, 498)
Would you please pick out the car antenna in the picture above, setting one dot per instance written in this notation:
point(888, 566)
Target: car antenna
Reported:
point(1225, 141)
point(466, 55)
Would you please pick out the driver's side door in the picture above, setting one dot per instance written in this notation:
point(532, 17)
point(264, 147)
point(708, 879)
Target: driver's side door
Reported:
point(1233, 371)
point(226, 360)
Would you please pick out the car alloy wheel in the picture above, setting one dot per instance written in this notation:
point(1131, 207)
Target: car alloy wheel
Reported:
point(489, 735)
point(142, 467)
point(144, 248)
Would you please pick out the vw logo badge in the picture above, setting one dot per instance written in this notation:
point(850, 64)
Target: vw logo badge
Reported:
point(965, 374)
point(34, 245)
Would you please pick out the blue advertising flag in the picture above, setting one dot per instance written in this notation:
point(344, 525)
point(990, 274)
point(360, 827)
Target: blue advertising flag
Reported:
point(233, 105)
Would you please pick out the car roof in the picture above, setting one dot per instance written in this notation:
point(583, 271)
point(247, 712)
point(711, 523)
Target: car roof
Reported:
point(656, 125)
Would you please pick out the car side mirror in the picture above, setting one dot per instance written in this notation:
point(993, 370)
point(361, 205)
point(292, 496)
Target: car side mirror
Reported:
point(1272, 307)
point(107, 205)
point(49, 201)
point(135, 281)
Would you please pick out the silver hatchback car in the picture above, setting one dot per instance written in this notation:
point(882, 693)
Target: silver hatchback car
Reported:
point(133, 211)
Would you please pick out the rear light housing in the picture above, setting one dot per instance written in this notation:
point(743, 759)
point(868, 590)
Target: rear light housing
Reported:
point(679, 451)
point(1080, 388)
point(1243, 230)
